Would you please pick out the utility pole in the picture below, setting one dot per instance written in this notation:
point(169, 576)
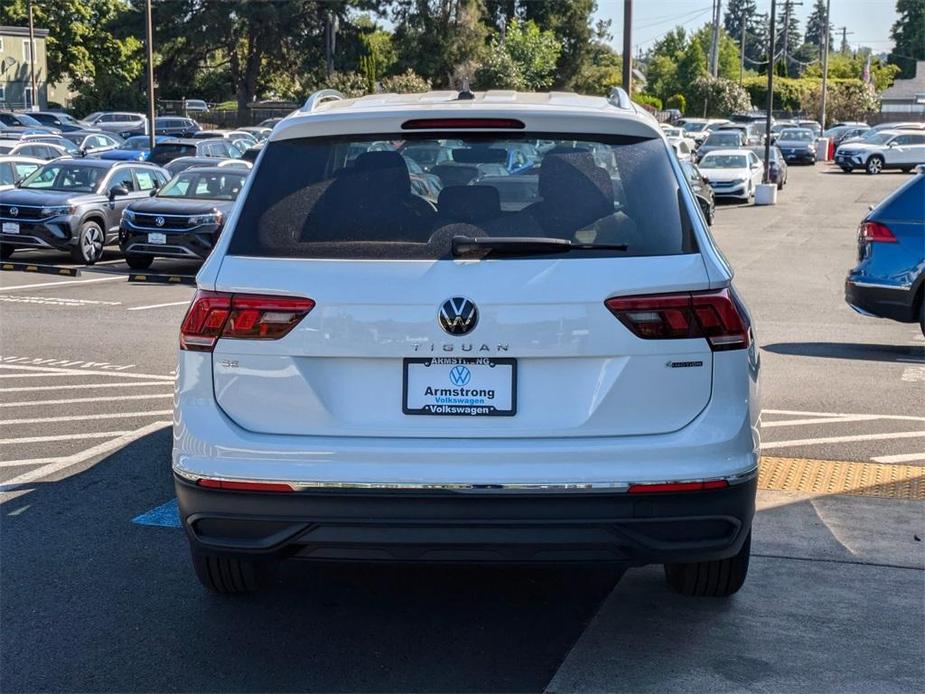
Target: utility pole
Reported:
point(767, 129)
point(628, 47)
point(714, 44)
point(330, 40)
point(149, 49)
point(35, 94)
point(845, 48)
point(825, 62)
point(742, 48)
point(788, 8)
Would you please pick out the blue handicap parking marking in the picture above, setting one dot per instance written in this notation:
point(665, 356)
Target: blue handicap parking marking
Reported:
point(165, 516)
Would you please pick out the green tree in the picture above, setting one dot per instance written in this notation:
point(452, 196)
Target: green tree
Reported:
point(815, 26)
point(756, 34)
point(788, 33)
point(524, 58)
point(601, 72)
point(570, 22)
point(692, 64)
point(908, 34)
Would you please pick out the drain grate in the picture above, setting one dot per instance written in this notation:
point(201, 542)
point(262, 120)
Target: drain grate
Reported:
point(840, 477)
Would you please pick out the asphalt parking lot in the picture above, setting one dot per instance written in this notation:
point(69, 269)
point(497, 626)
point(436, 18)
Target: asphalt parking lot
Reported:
point(98, 595)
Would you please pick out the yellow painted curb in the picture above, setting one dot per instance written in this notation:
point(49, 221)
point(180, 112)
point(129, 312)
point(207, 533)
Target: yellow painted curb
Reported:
point(825, 477)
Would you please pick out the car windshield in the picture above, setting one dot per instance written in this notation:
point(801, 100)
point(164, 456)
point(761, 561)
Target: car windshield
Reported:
point(71, 177)
point(692, 127)
point(27, 120)
point(611, 190)
point(137, 143)
point(674, 132)
point(724, 138)
point(797, 135)
point(723, 161)
point(200, 185)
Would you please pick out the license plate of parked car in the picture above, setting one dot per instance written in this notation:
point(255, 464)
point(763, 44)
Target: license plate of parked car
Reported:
point(157, 237)
point(475, 386)
point(10, 228)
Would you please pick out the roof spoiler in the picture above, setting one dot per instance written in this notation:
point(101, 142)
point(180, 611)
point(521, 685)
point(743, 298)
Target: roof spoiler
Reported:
point(319, 97)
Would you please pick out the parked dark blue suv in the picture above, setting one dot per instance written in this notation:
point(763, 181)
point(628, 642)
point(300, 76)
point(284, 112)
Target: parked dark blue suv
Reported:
point(889, 278)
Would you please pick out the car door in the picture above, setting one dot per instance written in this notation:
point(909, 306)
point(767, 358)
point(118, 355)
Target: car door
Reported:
point(913, 149)
point(124, 177)
point(756, 168)
point(146, 180)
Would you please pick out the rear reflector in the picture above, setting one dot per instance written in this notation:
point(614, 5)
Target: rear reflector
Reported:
point(245, 486)
point(239, 316)
point(875, 232)
point(716, 316)
point(463, 124)
point(677, 487)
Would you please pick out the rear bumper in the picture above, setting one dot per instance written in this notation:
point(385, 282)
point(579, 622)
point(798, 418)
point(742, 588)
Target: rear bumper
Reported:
point(478, 527)
point(895, 303)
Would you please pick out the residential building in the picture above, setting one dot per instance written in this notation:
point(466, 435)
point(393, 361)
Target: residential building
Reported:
point(906, 96)
point(15, 78)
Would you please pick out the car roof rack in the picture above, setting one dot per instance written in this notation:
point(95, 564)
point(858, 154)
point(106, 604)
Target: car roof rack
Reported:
point(319, 97)
point(619, 98)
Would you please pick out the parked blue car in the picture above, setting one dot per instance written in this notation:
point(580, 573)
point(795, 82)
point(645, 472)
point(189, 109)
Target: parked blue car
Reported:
point(135, 148)
point(889, 279)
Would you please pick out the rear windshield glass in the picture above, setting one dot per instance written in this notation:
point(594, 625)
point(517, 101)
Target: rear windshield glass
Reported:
point(357, 198)
point(164, 153)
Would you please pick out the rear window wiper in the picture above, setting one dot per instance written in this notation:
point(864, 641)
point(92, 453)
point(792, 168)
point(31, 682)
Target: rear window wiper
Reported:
point(526, 245)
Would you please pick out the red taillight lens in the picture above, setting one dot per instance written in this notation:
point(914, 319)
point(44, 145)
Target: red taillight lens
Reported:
point(715, 316)
point(875, 232)
point(677, 487)
point(245, 486)
point(239, 316)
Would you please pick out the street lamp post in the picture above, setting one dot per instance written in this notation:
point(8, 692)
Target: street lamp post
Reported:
point(825, 63)
point(32, 58)
point(767, 130)
point(149, 36)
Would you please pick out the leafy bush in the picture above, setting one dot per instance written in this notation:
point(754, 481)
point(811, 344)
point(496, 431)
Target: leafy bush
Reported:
point(408, 82)
point(648, 100)
point(525, 58)
point(716, 96)
point(677, 101)
point(349, 83)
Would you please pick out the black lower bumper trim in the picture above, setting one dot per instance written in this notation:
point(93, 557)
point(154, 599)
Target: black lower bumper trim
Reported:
point(435, 526)
point(896, 304)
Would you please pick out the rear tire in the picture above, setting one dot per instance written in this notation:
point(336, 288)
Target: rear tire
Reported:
point(719, 578)
point(139, 262)
point(922, 313)
point(231, 576)
point(6, 252)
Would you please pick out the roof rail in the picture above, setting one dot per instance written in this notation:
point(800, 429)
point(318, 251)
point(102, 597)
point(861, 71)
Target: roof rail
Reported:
point(619, 98)
point(319, 97)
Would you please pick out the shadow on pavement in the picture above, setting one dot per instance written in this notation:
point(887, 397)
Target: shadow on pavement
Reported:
point(93, 602)
point(848, 350)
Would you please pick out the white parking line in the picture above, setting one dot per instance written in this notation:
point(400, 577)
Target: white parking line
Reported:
point(71, 401)
point(818, 420)
point(840, 439)
point(75, 386)
point(55, 371)
point(53, 465)
point(836, 415)
point(61, 284)
point(145, 308)
point(41, 375)
point(54, 301)
point(61, 437)
point(900, 458)
point(84, 417)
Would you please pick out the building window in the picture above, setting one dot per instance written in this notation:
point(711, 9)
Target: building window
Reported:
point(2, 93)
point(26, 53)
point(1, 44)
point(28, 97)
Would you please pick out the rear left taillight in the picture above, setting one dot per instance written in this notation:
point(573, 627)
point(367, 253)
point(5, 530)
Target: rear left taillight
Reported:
point(875, 232)
point(214, 315)
point(716, 316)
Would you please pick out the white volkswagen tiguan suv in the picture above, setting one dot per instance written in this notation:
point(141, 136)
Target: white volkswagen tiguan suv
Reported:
point(540, 364)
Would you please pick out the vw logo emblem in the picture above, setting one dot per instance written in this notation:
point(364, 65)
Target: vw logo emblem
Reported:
point(14, 211)
point(458, 316)
point(460, 375)
point(159, 221)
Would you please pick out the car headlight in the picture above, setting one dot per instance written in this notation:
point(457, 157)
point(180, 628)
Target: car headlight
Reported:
point(128, 215)
point(739, 180)
point(214, 217)
point(55, 210)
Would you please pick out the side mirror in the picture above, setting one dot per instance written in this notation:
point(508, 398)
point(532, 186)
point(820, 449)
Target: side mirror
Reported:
point(117, 190)
point(891, 144)
point(153, 192)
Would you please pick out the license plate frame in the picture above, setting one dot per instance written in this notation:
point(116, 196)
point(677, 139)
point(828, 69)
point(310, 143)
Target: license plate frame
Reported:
point(10, 228)
point(454, 409)
point(157, 238)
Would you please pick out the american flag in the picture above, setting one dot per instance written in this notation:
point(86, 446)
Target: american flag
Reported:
point(866, 75)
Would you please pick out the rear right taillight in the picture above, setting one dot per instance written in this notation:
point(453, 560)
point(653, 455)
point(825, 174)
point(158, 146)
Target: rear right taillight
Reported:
point(214, 315)
point(715, 315)
point(875, 232)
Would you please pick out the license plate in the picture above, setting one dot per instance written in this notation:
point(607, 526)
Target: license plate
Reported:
point(10, 228)
point(157, 237)
point(453, 386)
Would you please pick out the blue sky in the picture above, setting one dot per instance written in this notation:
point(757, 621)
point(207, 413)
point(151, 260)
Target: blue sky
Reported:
point(870, 20)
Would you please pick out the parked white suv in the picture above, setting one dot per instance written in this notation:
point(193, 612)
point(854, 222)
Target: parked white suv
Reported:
point(546, 366)
point(888, 149)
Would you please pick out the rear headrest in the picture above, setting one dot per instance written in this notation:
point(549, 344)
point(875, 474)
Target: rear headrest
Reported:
point(385, 171)
point(572, 176)
point(469, 204)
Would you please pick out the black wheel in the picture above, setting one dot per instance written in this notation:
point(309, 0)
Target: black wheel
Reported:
point(6, 251)
point(90, 242)
point(780, 184)
point(907, 169)
point(139, 262)
point(922, 313)
point(719, 578)
point(229, 575)
point(847, 169)
point(874, 165)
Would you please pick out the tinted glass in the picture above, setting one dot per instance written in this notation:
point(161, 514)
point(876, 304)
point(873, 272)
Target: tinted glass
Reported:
point(7, 175)
point(797, 135)
point(614, 190)
point(725, 139)
point(165, 152)
point(204, 186)
point(70, 177)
